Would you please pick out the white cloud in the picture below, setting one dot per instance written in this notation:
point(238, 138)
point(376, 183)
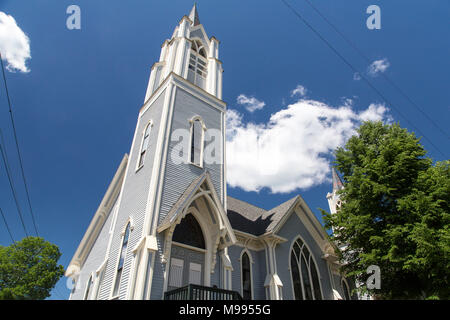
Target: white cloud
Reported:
point(251, 103)
point(14, 44)
point(299, 91)
point(378, 66)
point(292, 151)
point(375, 112)
point(356, 76)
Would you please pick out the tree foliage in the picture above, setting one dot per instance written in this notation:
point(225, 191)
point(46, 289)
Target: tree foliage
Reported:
point(29, 269)
point(394, 213)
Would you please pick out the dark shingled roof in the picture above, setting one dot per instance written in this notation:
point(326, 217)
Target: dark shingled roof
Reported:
point(248, 218)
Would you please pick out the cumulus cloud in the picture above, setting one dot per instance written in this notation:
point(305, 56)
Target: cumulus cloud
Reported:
point(250, 103)
point(14, 44)
point(378, 66)
point(299, 91)
point(375, 112)
point(293, 149)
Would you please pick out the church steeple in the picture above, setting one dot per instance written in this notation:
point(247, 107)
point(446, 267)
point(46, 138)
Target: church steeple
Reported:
point(190, 54)
point(193, 15)
point(333, 197)
point(337, 182)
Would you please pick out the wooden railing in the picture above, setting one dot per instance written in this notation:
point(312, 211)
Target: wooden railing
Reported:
point(196, 292)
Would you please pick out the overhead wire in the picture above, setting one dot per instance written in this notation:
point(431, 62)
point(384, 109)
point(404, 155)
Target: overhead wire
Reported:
point(355, 70)
point(7, 226)
point(384, 75)
point(17, 148)
point(11, 184)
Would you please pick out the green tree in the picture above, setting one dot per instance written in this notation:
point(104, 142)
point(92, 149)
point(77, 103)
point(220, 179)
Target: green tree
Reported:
point(29, 269)
point(394, 213)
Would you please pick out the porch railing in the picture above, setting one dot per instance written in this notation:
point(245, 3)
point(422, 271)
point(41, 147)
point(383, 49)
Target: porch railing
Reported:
point(196, 292)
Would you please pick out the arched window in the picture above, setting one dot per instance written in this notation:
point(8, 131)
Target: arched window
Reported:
point(346, 290)
point(123, 253)
point(144, 144)
point(198, 66)
point(197, 138)
point(305, 279)
point(189, 232)
point(246, 277)
point(88, 288)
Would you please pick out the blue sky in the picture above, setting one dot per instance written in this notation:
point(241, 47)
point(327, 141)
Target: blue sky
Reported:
point(76, 107)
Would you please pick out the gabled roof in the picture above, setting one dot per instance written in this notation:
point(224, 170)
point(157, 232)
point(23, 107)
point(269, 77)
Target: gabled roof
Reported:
point(182, 201)
point(248, 218)
point(260, 223)
point(204, 180)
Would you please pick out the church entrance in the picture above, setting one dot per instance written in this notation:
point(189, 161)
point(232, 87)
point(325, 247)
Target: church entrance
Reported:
point(187, 257)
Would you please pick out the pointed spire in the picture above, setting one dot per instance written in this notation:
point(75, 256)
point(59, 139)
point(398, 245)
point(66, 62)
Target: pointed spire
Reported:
point(337, 182)
point(194, 15)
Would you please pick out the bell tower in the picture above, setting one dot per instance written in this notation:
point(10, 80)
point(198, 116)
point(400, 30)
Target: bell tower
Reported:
point(190, 54)
point(177, 164)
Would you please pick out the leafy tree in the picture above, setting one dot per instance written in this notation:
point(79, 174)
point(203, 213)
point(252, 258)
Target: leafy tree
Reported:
point(29, 269)
point(394, 213)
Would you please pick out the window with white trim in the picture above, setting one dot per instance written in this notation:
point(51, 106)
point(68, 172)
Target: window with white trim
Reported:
point(123, 253)
point(305, 278)
point(246, 277)
point(197, 141)
point(198, 65)
point(144, 144)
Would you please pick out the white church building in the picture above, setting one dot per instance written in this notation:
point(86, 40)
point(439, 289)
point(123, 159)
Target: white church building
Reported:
point(166, 229)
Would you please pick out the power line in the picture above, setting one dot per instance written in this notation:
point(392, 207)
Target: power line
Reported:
point(385, 76)
point(8, 173)
point(6, 224)
point(356, 70)
point(17, 147)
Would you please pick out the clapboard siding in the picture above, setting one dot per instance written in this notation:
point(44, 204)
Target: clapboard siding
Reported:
point(133, 200)
point(260, 272)
point(95, 257)
point(291, 230)
point(177, 177)
point(158, 271)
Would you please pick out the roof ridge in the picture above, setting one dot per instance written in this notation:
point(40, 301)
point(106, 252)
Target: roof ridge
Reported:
point(247, 203)
point(295, 197)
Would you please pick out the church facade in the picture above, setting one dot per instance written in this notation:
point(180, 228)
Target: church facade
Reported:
point(166, 220)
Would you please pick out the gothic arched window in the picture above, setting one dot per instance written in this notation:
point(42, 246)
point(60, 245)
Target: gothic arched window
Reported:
point(305, 279)
point(346, 290)
point(246, 277)
point(144, 144)
point(198, 65)
point(123, 253)
point(197, 138)
point(189, 232)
